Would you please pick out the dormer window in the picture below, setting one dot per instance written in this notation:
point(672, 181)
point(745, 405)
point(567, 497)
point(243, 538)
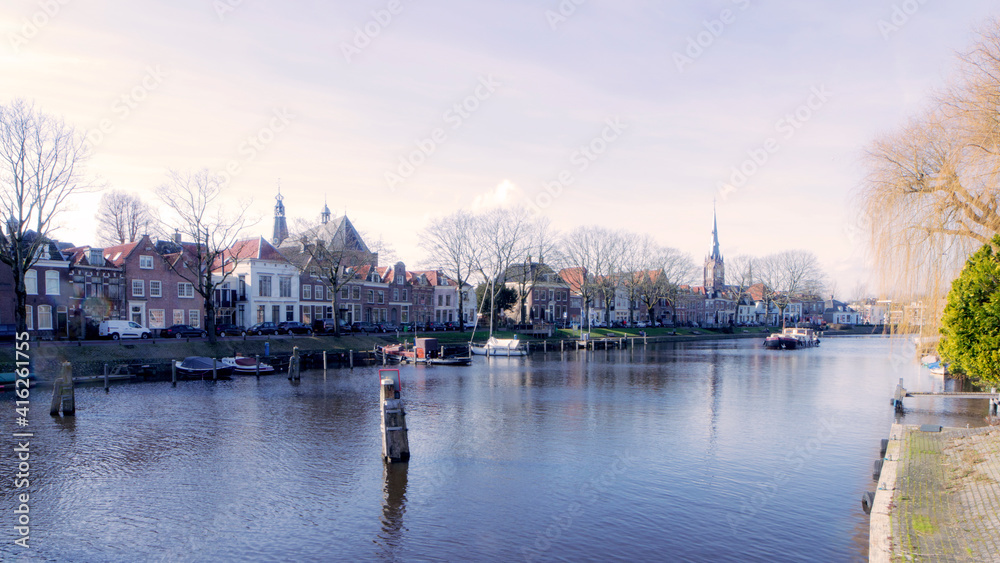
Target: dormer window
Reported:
point(145, 262)
point(96, 257)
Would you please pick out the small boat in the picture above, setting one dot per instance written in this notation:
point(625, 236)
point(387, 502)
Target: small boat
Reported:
point(792, 339)
point(425, 351)
point(242, 365)
point(501, 347)
point(8, 379)
point(200, 367)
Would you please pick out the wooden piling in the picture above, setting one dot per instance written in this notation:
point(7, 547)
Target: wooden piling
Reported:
point(293, 365)
point(351, 358)
point(395, 443)
point(173, 373)
point(107, 382)
point(545, 345)
point(215, 372)
point(324, 364)
point(63, 395)
point(257, 367)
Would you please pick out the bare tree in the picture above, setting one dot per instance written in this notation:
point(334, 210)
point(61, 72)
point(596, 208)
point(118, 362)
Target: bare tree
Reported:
point(541, 242)
point(788, 275)
point(41, 160)
point(332, 252)
point(214, 226)
point(449, 243)
point(598, 251)
point(123, 217)
point(500, 236)
point(932, 190)
point(671, 269)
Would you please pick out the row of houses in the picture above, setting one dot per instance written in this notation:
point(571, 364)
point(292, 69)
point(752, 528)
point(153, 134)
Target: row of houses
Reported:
point(71, 289)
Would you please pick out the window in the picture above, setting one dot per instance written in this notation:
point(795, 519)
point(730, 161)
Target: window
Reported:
point(96, 257)
point(395, 294)
point(51, 282)
point(156, 316)
point(405, 317)
point(306, 314)
point(404, 295)
point(343, 293)
point(289, 312)
point(264, 286)
point(440, 300)
point(284, 286)
point(27, 313)
point(371, 296)
point(145, 262)
point(185, 290)
point(307, 292)
point(318, 292)
point(357, 293)
point(194, 318)
point(381, 297)
point(44, 317)
point(243, 285)
point(155, 290)
point(31, 282)
point(447, 300)
point(112, 290)
point(276, 313)
point(260, 313)
point(178, 317)
point(138, 288)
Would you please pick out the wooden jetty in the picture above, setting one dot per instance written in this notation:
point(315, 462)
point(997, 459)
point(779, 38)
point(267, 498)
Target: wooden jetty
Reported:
point(901, 393)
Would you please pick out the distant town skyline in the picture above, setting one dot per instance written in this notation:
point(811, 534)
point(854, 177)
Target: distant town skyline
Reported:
point(615, 114)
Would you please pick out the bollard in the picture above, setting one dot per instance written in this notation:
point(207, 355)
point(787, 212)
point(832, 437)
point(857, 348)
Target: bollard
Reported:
point(215, 373)
point(351, 356)
point(324, 364)
point(257, 359)
point(267, 348)
point(106, 380)
point(545, 345)
point(173, 373)
point(395, 444)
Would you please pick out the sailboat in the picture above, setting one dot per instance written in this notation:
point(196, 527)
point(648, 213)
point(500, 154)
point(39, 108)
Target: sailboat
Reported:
point(496, 346)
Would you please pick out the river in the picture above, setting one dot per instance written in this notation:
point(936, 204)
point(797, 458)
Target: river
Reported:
point(704, 451)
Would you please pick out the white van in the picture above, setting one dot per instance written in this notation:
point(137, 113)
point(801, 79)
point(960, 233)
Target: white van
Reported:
point(122, 329)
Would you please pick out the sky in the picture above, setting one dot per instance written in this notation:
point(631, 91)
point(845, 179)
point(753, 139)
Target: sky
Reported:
point(628, 114)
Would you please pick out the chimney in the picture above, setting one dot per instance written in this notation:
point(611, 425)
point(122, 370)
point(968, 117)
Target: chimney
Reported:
point(177, 236)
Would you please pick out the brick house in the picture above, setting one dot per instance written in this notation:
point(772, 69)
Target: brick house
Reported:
point(97, 290)
point(48, 293)
point(155, 295)
point(268, 281)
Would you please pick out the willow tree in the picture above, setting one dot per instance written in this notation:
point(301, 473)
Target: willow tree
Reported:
point(930, 198)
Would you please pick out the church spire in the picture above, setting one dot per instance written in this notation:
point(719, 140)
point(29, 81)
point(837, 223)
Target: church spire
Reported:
point(716, 255)
point(324, 217)
point(280, 225)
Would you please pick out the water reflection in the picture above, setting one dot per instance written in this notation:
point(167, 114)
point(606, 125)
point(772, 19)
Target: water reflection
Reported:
point(393, 508)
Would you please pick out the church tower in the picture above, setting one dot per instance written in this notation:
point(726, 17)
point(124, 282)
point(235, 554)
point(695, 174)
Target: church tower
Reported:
point(715, 267)
point(280, 225)
point(324, 217)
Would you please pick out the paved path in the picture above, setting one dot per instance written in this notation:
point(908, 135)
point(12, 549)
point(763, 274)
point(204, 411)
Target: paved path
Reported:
point(939, 496)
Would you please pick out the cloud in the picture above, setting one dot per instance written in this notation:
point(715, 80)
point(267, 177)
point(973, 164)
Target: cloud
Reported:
point(506, 193)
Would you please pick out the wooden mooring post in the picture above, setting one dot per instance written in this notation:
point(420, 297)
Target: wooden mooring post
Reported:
point(215, 370)
point(173, 373)
point(63, 395)
point(293, 365)
point(395, 444)
point(350, 354)
point(257, 367)
point(324, 364)
point(107, 380)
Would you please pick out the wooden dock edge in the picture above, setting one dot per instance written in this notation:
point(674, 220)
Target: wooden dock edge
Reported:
point(880, 524)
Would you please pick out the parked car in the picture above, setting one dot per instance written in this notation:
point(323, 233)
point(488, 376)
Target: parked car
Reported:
point(291, 327)
point(328, 326)
point(227, 329)
point(451, 325)
point(435, 326)
point(388, 327)
point(640, 324)
point(261, 329)
point(7, 331)
point(182, 331)
point(364, 326)
point(406, 327)
point(123, 329)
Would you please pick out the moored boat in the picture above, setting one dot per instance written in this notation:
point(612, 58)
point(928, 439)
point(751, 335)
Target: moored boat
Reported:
point(792, 338)
point(242, 365)
point(199, 367)
point(500, 347)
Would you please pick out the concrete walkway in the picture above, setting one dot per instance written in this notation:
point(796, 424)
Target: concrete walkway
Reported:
point(938, 497)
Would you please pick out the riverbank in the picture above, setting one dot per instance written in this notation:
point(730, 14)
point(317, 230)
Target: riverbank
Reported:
point(938, 496)
point(154, 356)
